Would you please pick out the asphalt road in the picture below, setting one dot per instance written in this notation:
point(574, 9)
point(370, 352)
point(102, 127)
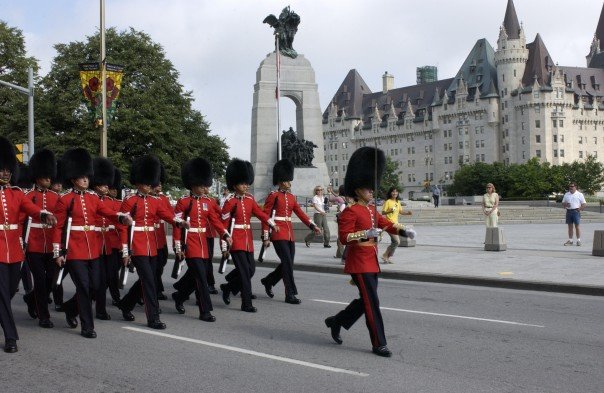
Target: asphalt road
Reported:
point(445, 338)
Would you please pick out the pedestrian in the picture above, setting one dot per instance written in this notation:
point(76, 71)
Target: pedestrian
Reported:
point(436, 195)
point(240, 207)
point(224, 197)
point(12, 203)
point(198, 209)
point(43, 167)
point(574, 202)
point(359, 229)
point(81, 254)
point(392, 209)
point(145, 209)
point(280, 205)
point(103, 178)
point(319, 218)
point(340, 201)
point(490, 206)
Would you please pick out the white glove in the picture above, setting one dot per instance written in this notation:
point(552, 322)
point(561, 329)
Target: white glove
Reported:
point(373, 232)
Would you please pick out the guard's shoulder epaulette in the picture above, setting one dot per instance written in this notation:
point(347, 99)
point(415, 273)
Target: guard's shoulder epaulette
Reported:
point(65, 193)
point(53, 192)
point(248, 195)
point(17, 188)
point(184, 197)
point(129, 196)
point(230, 196)
point(155, 197)
point(27, 191)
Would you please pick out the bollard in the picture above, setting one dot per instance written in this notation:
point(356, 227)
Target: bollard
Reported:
point(406, 242)
point(598, 247)
point(494, 240)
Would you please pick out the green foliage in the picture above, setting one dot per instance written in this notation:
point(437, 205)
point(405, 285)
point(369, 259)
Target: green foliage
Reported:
point(154, 115)
point(14, 63)
point(531, 180)
point(390, 178)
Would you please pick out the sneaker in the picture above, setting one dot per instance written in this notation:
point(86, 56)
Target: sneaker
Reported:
point(411, 233)
point(385, 258)
point(578, 243)
point(568, 243)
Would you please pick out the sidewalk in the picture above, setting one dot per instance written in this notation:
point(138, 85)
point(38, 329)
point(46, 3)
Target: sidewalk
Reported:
point(535, 258)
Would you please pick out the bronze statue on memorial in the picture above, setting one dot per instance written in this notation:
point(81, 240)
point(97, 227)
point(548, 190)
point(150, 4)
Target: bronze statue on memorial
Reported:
point(298, 151)
point(286, 28)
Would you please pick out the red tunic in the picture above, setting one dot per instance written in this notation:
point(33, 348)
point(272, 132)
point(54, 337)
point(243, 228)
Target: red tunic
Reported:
point(361, 258)
point(148, 208)
point(286, 204)
point(105, 229)
point(86, 212)
point(12, 202)
point(160, 225)
point(113, 234)
point(40, 235)
point(244, 207)
point(201, 210)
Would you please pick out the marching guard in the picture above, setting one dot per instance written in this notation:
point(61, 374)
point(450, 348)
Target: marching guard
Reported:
point(114, 200)
point(280, 205)
point(359, 228)
point(103, 178)
point(144, 210)
point(238, 210)
point(198, 209)
point(12, 202)
point(75, 240)
point(43, 168)
point(160, 235)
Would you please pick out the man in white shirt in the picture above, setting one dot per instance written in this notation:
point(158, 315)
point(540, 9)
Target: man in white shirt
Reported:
point(574, 203)
point(320, 218)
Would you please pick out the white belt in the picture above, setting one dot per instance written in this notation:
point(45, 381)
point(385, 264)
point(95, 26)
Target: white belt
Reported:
point(282, 218)
point(144, 229)
point(197, 230)
point(242, 226)
point(9, 227)
point(84, 228)
point(104, 229)
point(38, 225)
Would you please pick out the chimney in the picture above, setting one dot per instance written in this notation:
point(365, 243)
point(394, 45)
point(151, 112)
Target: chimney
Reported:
point(387, 82)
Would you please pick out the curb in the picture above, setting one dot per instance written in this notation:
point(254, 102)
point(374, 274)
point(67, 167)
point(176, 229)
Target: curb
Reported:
point(589, 290)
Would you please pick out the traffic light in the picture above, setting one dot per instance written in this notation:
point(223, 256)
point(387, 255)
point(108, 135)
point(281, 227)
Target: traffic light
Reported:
point(19, 147)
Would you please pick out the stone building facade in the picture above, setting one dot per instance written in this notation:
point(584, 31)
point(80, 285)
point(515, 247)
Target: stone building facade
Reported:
point(505, 105)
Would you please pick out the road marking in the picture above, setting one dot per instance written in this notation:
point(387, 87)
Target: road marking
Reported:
point(248, 352)
point(506, 273)
point(441, 315)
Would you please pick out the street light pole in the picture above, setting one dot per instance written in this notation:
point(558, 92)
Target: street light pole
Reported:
point(29, 91)
point(103, 83)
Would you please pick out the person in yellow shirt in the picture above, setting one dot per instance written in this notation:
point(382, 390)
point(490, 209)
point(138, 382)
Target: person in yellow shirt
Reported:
point(392, 209)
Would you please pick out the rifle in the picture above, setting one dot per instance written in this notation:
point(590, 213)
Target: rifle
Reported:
point(64, 240)
point(179, 262)
point(270, 230)
point(125, 269)
point(225, 253)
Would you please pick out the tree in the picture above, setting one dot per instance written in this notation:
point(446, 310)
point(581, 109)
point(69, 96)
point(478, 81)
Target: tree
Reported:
point(14, 63)
point(390, 178)
point(589, 175)
point(154, 114)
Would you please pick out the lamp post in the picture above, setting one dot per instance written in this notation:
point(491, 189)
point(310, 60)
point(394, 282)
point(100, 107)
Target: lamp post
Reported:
point(334, 176)
point(29, 91)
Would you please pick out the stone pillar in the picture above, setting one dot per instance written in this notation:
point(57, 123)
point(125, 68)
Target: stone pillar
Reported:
point(494, 240)
point(298, 84)
point(598, 247)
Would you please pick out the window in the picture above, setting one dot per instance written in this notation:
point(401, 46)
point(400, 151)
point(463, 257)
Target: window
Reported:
point(555, 123)
point(482, 143)
point(522, 125)
point(538, 138)
point(561, 137)
point(445, 147)
point(461, 145)
point(580, 140)
point(538, 153)
point(523, 141)
point(477, 157)
point(536, 94)
point(580, 154)
point(561, 152)
point(523, 155)
point(561, 123)
point(555, 153)
point(537, 123)
point(537, 109)
point(482, 157)
point(555, 138)
point(595, 140)
point(344, 145)
point(477, 145)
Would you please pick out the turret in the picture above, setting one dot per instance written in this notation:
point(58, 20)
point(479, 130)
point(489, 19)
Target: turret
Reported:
point(511, 54)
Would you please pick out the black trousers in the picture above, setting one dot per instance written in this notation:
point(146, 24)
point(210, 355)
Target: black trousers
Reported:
point(113, 278)
point(43, 269)
point(240, 278)
point(208, 262)
point(85, 274)
point(198, 273)
point(26, 277)
point(10, 274)
point(146, 267)
point(108, 265)
point(369, 304)
point(162, 260)
point(286, 251)
point(57, 292)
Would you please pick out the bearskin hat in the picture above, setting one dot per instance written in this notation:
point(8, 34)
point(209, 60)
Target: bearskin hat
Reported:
point(162, 175)
point(196, 172)
point(8, 157)
point(361, 170)
point(103, 172)
point(76, 163)
point(22, 178)
point(117, 182)
point(145, 170)
point(237, 172)
point(58, 178)
point(283, 171)
point(43, 164)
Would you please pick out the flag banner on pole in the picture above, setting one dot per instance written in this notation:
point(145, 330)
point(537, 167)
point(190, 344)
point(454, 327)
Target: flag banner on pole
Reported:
point(90, 79)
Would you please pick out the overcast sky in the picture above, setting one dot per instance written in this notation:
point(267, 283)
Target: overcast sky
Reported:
point(217, 45)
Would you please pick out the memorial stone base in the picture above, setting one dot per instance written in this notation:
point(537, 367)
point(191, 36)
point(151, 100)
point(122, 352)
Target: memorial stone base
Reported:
point(494, 240)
